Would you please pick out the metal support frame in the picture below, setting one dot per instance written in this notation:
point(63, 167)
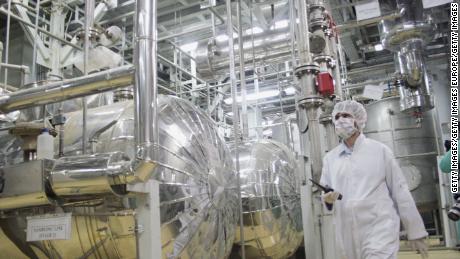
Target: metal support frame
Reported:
point(148, 225)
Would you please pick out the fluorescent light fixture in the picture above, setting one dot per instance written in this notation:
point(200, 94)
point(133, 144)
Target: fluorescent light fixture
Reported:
point(280, 37)
point(378, 47)
point(254, 96)
point(248, 44)
point(224, 37)
point(256, 30)
point(268, 132)
point(289, 91)
point(221, 38)
point(280, 24)
point(189, 46)
point(267, 122)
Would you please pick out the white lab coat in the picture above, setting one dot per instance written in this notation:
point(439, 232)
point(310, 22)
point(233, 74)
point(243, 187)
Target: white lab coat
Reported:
point(375, 199)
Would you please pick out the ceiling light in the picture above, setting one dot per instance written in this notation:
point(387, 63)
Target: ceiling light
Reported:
point(378, 47)
point(280, 24)
point(254, 96)
point(189, 46)
point(289, 91)
point(255, 30)
point(224, 37)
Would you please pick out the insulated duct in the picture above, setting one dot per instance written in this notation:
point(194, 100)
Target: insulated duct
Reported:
point(407, 37)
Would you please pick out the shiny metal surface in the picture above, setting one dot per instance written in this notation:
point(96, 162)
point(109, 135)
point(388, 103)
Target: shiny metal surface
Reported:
point(415, 90)
point(195, 171)
point(82, 177)
point(145, 86)
point(414, 146)
point(198, 198)
point(68, 89)
point(96, 233)
point(407, 37)
point(212, 57)
point(271, 200)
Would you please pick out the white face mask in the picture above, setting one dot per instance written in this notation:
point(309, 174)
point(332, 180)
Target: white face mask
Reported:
point(345, 127)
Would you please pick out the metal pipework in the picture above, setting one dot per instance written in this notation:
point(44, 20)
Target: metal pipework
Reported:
point(407, 37)
point(244, 110)
point(309, 102)
point(213, 56)
point(89, 22)
point(145, 87)
point(68, 89)
point(80, 178)
point(22, 68)
point(236, 129)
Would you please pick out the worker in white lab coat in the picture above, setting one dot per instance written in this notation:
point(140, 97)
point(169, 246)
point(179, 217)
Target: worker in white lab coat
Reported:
point(375, 194)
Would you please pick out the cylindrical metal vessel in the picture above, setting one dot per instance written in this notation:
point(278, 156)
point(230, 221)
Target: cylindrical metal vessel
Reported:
point(198, 203)
point(271, 200)
point(413, 143)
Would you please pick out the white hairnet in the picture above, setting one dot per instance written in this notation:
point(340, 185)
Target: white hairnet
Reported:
point(353, 108)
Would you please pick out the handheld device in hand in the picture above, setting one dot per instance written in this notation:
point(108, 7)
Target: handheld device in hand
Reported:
point(326, 189)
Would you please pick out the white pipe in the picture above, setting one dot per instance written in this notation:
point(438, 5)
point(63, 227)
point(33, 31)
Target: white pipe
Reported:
point(236, 131)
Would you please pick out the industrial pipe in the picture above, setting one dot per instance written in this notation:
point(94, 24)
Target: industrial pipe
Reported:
point(236, 129)
point(145, 87)
point(68, 89)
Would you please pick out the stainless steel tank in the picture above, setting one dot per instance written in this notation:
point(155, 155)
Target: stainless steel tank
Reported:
point(271, 200)
point(198, 203)
point(413, 142)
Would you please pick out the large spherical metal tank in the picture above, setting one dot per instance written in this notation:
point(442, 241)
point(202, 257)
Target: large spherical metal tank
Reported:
point(271, 200)
point(198, 203)
point(413, 144)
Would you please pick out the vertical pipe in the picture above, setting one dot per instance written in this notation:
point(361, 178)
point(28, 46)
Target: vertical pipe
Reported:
point(244, 108)
point(235, 117)
point(7, 45)
point(34, 52)
point(213, 19)
point(292, 31)
point(309, 102)
point(145, 87)
point(89, 16)
point(304, 35)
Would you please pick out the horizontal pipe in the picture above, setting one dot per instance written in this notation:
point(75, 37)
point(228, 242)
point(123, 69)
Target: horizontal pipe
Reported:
point(356, 24)
point(68, 89)
point(73, 182)
point(22, 68)
point(180, 68)
point(23, 201)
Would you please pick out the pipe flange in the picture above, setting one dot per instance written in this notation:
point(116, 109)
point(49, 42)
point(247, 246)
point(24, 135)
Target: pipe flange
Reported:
point(314, 6)
point(325, 119)
point(325, 59)
point(94, 34)
point(311, 101)
point(317, 16)
point(318, 24)
point(306, 69)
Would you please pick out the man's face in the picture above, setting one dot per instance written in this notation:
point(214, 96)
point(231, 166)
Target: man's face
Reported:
point(343, 115)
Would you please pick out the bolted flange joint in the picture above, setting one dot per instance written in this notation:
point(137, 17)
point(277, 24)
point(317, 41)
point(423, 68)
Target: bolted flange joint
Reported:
point(306, 69)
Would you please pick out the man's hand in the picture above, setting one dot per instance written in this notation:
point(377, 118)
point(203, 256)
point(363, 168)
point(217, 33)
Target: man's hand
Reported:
point(330, 197)
point(420, 246)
